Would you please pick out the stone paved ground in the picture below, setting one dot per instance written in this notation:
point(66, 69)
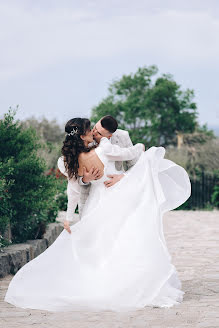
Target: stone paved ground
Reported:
point(193, 241)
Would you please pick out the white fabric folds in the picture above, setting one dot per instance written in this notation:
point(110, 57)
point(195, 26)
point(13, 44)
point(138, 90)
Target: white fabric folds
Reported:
point(116, 257)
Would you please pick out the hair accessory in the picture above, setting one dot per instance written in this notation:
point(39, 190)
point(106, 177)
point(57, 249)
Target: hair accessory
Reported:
point(73, 132)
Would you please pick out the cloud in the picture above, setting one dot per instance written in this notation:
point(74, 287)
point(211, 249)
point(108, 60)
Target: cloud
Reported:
point(34, 38)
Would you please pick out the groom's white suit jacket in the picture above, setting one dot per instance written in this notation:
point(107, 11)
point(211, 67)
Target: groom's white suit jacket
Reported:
point(77, 191)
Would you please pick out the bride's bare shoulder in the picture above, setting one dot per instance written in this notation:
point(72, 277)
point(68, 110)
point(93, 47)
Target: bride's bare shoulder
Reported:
point(89, 160)
point(83, 156)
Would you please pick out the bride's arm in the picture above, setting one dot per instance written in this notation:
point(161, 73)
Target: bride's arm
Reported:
point(73, 190)
point(61, 166)
point(117, 153)
point(73, 199)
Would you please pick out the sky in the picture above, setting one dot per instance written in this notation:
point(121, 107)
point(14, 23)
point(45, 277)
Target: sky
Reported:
point(58, 58)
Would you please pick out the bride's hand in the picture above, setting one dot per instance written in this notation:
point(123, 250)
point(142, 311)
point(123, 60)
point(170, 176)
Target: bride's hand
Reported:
point(67, 226)
point(88, 176)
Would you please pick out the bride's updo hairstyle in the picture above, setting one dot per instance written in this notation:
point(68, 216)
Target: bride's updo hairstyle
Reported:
point(73, 145)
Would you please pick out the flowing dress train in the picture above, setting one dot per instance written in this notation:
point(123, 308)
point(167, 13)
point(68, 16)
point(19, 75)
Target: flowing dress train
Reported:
point(116, 257)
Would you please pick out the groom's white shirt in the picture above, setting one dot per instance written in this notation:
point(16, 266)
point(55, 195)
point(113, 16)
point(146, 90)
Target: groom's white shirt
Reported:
point(78, 192)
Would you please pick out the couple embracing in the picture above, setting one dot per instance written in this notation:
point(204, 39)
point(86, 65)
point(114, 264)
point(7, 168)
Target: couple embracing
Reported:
point(90, 167)
point(115, 257)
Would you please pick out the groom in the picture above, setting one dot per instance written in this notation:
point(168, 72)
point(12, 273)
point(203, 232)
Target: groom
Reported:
point(106, 127)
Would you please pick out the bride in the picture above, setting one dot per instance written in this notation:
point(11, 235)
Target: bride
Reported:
point(115, 257)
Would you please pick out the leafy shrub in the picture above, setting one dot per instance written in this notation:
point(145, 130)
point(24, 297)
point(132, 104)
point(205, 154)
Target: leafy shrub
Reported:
point(215, 195)
point(31, 201)
point(5, 211)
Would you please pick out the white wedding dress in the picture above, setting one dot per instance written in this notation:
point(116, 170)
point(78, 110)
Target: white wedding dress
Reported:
point(116, 256)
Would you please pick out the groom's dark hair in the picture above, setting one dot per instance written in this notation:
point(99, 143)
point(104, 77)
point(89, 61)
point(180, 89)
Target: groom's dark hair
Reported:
point(109, 123)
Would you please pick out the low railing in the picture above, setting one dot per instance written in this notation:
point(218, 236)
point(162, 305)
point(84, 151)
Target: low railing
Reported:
point(202, 191)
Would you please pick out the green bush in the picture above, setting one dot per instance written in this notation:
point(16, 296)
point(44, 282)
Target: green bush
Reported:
point(61, 197)
point(5, 211)
point(30, 203)
point(215, 195)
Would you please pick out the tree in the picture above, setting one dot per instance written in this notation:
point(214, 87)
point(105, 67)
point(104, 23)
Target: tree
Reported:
point(171, 110)
point(152, 111)
point(51, 136)
point(48, 131)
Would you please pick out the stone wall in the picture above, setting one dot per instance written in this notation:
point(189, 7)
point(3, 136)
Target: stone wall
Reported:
point(13, 257)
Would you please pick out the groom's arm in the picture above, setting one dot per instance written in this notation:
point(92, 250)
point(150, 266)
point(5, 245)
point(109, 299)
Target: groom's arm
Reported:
point(117, 153)
point(128, 143)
